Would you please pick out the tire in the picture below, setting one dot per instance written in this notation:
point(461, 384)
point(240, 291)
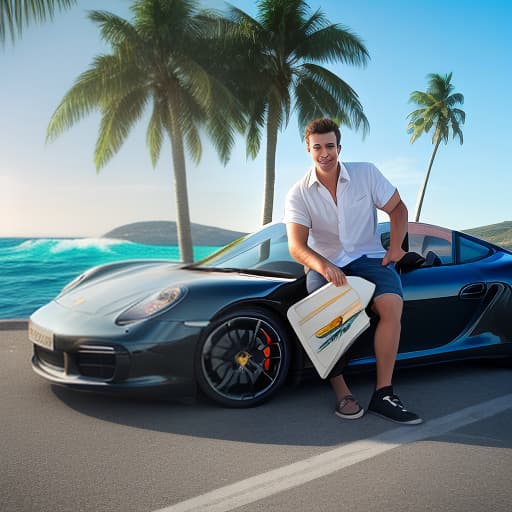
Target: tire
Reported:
point(243, 358)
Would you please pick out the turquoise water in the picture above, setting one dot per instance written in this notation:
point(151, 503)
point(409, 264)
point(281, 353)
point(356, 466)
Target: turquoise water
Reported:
point(34, 270)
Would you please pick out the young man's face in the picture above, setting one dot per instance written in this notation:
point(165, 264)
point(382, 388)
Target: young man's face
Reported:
point(324, 151)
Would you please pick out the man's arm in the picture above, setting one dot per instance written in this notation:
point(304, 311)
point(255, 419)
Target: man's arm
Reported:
point(398, 217)
point(299, 249)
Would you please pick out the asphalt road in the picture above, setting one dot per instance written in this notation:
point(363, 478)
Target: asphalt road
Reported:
point(68, 451)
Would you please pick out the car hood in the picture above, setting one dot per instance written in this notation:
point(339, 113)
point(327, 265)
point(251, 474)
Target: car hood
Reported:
point(112, 289)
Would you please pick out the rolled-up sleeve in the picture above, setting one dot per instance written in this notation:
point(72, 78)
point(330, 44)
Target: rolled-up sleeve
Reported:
point(295, 209)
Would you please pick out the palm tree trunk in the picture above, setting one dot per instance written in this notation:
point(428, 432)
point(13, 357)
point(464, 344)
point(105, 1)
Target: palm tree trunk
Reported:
point(421, 194)
point(270, 164)
point(180, 187)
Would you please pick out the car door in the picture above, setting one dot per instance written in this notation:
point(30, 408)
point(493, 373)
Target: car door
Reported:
point(442, 303)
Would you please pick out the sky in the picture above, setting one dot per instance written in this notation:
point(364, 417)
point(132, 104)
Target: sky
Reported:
point(53, 189)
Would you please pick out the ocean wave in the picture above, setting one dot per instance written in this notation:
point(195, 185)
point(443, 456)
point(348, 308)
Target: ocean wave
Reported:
point(101, 244)
point(30, 244)
point(53, 245)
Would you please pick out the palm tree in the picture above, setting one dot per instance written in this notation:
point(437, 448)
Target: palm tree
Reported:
point(439, 111)
point(15, 14)
point(157, 61)
point(282, 51)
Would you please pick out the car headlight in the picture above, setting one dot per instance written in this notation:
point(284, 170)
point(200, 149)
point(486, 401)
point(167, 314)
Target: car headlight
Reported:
point(152, 305)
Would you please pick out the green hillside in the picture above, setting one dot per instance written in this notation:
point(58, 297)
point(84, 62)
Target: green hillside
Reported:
point(164, 233)
point(499, 234)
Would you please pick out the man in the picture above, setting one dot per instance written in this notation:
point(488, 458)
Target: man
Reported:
point(331, 222)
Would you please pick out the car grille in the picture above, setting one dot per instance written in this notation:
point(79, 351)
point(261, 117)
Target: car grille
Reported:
point(52, 358)
point(102, 362)
point(96, 361)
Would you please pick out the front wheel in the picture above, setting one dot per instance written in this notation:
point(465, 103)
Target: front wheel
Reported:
point(244, 358)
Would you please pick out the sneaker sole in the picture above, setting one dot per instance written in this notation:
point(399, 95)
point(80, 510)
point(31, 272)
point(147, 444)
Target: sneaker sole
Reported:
point(354, 416)
point(417, 421)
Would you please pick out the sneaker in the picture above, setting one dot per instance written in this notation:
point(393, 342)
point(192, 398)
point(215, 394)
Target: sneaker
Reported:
point(349, 408)
point(386, 404)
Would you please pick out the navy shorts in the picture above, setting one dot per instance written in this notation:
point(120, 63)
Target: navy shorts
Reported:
point(386, 279)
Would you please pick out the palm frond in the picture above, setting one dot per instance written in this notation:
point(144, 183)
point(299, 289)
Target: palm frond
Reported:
point(456, 129)
point(256, 122)
point(315, 22)
point(115, 30)
point(280, 16)
point(194, 146)
point(329, 85)
point(187, 115)
point(17, 14)
point(455, 99)
point(117, 120)
point(312, 102)
point(108, 76)
point(421, 98)
point(416, 114)
point(84, 97)
point(459, 115)
point(333, 43)
point(241, 18)
point(164, 18)
point(155, 130)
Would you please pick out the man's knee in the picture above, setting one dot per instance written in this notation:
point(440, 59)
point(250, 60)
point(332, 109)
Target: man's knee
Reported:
point(388, 306)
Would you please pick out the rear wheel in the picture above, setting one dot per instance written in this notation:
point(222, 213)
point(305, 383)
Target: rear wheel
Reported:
point(244, 358)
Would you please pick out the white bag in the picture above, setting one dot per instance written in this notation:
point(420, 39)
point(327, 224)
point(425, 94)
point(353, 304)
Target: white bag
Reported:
point(329, 320)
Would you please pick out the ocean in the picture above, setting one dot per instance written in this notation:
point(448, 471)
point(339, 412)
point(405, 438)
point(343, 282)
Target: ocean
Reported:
point(34, 270)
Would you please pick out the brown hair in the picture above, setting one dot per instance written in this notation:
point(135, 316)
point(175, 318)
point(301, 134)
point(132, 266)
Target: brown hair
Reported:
point(322, 125)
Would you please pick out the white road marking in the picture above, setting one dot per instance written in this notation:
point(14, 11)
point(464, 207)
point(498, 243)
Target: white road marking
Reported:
point(272, 482)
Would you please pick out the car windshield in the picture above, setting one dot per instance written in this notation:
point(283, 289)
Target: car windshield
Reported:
point(265, 251)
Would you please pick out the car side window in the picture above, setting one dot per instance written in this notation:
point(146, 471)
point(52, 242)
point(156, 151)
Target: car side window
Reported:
point(469, 250)
point(424, 239)
point(423, 244)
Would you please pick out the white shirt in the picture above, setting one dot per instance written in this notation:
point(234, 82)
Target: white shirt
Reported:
point(347, 230)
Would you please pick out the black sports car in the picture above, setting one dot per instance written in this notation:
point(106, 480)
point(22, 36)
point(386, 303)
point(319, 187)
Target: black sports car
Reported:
point(220, 323)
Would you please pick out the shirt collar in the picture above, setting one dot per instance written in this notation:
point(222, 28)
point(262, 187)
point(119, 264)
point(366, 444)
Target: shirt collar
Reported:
point(344, 175)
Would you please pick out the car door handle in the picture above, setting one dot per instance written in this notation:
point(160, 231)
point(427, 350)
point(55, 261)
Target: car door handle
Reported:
point(473, 291)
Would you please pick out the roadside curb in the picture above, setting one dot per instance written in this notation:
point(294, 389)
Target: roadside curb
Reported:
point(14, 324)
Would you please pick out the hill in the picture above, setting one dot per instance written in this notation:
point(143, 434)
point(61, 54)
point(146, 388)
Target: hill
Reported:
point(164, 233)
point(499, 234)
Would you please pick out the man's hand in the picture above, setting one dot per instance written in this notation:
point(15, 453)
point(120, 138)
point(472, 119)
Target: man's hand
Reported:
point(300, 251)
point(333, 274)
point(392, 256)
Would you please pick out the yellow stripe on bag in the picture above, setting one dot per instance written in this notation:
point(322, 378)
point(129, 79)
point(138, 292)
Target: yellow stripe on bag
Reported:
point(310, 315)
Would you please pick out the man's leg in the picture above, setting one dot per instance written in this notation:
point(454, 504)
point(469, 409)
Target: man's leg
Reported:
point(388, 305)
point(344, 408)
point(384, 401)
point(387, 336)
point(340, 387)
